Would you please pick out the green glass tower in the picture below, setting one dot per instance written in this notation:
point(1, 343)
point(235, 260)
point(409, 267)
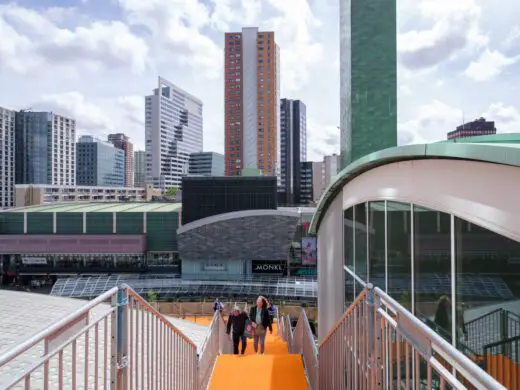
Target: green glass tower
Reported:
point(368, 76)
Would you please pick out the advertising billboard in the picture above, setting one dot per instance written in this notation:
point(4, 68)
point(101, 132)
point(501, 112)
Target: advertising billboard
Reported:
point(309, 250)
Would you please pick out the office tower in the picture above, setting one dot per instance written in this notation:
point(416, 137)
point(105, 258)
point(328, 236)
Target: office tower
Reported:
point(121, 141)
point(252, 89)
point(206, 164)
point(331, 168)
point(140, 168)
point(293, 148)
point(368, 77)
point(173, 127)
point(7, 172)
point(306, 184)
point(99, 163)
point(317, 180)
point(473, 129)
point(45, 149)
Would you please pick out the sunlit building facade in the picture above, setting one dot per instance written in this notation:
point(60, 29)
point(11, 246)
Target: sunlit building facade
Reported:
point(252, 112)
point(173, 127)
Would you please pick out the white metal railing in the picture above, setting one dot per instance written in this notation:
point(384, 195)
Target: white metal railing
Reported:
point(379, 344)
point(116, 341)
point(303, 343)
point(216, 343)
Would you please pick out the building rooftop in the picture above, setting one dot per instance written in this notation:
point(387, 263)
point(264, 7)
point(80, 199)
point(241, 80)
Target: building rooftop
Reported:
point(498, 149)
point(26, 314)
point(105, 207)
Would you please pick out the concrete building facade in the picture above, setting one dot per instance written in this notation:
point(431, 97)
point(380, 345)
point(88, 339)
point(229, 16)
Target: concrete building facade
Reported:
point(368, 75)
point(7, 156)
point(45, 148)
point(173, 127)
point(252, 112)
point(121, 141)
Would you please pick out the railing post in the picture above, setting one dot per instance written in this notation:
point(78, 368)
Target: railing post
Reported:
point(374, 345)
point(113, 344)
point(121, 340)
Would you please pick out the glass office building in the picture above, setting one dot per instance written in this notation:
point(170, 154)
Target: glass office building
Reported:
point(99, 163)
point(368, 77)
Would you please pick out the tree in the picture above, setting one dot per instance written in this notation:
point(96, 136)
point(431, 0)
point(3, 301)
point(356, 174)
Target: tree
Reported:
point(172, 191)
point(151, 296)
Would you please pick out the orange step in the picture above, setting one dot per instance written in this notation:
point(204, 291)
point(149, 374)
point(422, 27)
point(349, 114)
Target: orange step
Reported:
point(275, 369)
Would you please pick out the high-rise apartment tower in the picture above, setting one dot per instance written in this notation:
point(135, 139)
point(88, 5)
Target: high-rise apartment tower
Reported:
point(45, 149)
point(7, 126)
point(252, 89)
point(368, 77)
point(173, 127)
point(121, 141)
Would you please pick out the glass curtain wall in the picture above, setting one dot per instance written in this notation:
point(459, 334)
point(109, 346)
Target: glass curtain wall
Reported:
point(459, 278)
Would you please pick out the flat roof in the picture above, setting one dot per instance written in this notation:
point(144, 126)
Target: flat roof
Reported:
point(498, 152)
point(104, 207)
point(26, 314)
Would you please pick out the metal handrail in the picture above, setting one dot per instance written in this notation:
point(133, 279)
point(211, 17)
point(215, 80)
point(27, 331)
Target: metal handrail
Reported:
point(41, 336)
point(130, 345)
point(377, 335)
point(304, 344)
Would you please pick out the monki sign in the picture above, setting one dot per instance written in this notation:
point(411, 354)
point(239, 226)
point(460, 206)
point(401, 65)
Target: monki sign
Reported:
point(268, 267)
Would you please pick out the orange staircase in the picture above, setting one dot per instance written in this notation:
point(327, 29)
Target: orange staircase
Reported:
point(275, 369)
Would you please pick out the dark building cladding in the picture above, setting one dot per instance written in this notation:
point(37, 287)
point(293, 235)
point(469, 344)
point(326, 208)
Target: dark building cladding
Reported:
point(368, 75)
point(471, 129)
point(293, 149)
point(204, 197)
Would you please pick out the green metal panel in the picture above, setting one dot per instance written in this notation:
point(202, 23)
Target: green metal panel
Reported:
point(162, 231)
point(129, 223)
point(100, 223)
point(368, 88)
point(40, 223)
point(69, 223)
point(12, 223)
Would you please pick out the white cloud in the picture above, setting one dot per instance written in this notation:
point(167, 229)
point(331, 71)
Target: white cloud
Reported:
point(507, 118)
point(455, 27)
point(98, 117)
point(489, 65)
point(31, 41)
point(321, 140)
point(431, 123)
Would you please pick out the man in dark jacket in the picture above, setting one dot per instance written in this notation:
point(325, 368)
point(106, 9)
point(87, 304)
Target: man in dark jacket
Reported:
point(238, 320)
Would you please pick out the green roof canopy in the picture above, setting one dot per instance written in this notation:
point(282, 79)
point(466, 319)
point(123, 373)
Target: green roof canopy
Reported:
point(485, 150)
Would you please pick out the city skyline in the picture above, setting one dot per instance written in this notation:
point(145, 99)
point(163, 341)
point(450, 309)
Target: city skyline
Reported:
point(439, 83)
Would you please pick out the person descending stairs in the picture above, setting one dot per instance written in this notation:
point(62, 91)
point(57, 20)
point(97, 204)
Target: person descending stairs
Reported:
point(274, 369)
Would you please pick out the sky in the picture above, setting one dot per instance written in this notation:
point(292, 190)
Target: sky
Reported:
point(95, 60)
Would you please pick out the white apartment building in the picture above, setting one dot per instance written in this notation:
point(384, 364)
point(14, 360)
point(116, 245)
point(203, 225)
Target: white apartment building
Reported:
point(44, 157)
point(173, 127)
point(7, 173)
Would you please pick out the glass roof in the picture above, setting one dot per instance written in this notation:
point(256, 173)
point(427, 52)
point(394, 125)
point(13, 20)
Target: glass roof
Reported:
point(297, 288)
point(105, 207)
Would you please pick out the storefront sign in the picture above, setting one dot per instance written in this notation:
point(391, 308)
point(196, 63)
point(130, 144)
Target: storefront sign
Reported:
point(34, 260)
point(214, 267)
point(268, 267)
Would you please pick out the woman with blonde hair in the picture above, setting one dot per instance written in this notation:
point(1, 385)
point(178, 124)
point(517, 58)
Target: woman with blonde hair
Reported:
point(260, 320)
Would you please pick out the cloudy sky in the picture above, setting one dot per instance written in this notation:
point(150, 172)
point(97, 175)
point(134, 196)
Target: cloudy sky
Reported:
point(95, 60)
